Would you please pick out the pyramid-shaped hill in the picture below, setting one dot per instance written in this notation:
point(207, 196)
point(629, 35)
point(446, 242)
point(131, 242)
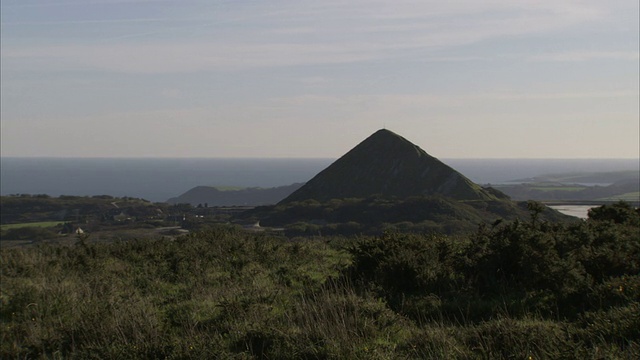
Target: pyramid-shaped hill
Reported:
point(389, 165)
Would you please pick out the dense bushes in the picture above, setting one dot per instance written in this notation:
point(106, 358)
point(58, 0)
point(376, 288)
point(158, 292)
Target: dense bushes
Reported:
point(548, 269)
point(586, 274)
point(514, 290)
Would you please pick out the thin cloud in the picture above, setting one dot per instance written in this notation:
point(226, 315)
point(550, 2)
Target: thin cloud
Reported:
point(578, 56)
point(76, 3)
point(82, 22)
point(560, 96)
point(345, 33)
point(425, 100)
point(178, 58)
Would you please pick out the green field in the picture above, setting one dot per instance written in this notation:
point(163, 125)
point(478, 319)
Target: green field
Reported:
point(33, 224)
point(228, 188)
point(631, 196)
point(557, 188)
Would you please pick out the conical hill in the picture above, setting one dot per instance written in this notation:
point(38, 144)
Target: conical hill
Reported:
point(389, 165)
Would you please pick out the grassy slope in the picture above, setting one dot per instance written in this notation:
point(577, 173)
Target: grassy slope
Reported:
point(622, 185)
point(558, 192)
point(584, 177)
point(630, 196)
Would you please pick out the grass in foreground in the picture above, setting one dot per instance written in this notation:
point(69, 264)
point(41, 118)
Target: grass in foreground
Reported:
point(520, 290)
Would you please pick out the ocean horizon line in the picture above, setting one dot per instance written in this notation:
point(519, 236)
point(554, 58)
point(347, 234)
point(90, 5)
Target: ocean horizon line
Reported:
point(158, 179)
point(296, 158)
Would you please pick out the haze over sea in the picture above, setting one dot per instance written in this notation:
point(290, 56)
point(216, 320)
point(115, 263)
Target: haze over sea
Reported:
point(157, 179)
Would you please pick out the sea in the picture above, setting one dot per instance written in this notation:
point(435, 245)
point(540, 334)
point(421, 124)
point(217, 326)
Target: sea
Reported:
point(158, 179)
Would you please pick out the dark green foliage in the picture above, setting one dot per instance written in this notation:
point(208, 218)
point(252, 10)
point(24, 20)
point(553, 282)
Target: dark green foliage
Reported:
point(512, 290)
point(619, 213)
point(581, 271)
point(35, 208)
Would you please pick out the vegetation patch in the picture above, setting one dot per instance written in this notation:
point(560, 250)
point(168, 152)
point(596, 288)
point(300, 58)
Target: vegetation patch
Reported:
point(33, 224)
point(376, 214)
point(228, 188)
point(518, 289)
point(630, 196)
point(557, 188)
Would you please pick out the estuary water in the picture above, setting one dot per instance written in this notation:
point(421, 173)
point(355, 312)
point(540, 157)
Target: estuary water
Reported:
point(158, 179)
point(579, 211)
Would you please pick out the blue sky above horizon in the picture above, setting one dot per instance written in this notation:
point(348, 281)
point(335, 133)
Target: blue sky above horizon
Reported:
point(464, 79)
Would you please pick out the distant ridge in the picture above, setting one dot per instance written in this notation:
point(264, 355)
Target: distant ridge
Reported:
point(389, 165)
point(216, 196)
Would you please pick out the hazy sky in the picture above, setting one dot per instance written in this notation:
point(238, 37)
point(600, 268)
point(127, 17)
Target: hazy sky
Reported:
point(467, 79)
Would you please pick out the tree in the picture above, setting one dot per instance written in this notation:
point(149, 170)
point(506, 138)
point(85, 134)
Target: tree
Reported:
point(620, 213)
point(535, 209)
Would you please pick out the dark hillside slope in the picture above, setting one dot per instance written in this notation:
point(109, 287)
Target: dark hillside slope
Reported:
point(386, 183)
point(213, 196)
point(389, 165)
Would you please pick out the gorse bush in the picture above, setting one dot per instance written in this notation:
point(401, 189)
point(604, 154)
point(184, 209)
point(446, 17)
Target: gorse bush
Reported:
point(522, 289)
point(620, 213)
point(546, 269)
